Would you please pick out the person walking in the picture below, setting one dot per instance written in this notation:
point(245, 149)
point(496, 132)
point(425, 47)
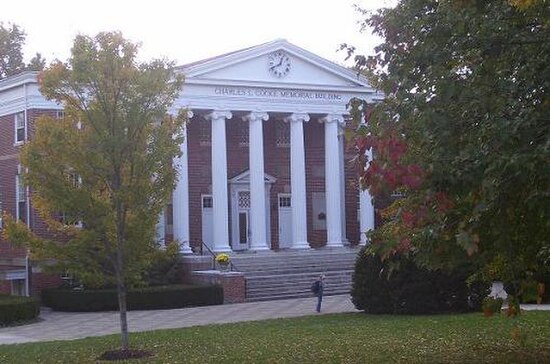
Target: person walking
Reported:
point(319, 287)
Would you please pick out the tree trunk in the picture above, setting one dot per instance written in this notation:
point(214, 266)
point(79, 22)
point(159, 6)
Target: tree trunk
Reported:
point(121, 290)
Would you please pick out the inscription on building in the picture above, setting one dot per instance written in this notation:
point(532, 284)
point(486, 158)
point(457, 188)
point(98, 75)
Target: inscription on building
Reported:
point(276, 93)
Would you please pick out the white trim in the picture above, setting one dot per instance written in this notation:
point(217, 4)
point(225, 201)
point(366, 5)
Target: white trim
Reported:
point(21, 92)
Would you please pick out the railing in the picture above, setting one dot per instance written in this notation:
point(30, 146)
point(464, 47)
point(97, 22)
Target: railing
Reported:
point(232, 266)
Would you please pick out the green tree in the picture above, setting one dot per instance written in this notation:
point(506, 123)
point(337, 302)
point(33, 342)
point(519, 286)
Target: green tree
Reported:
point(463, 134)
point(37, 63)
point(12, 39)
point(106, 166)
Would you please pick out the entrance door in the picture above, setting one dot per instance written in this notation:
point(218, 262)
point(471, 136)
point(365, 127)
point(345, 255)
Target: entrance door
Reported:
point(243, 228)
point(285, 221)
point(243, 223)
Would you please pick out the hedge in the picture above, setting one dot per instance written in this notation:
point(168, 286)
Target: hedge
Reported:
point(148, 298)
point(15, 309)
point(412, 290)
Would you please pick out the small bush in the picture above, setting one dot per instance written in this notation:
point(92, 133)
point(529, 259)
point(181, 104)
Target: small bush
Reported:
point(15, 309)
point(492, 305)
point(410, 289)
point(149, 298)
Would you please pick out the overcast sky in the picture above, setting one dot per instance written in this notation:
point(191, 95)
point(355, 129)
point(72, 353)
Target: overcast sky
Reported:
point(190, 30)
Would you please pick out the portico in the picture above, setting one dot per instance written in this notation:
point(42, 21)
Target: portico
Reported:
point(294, 101)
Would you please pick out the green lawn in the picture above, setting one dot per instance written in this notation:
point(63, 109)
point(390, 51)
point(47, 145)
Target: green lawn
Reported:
point(343, 338)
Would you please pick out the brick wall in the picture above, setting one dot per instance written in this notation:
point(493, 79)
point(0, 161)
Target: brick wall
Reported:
point(40, 281)
point(9, 160)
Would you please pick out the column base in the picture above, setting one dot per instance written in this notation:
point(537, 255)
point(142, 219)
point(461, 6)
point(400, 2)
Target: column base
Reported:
point(363, 240)
point(301, 245)
point(334, 244)
point(186, 249)
point(222, 249)
point(260, 248)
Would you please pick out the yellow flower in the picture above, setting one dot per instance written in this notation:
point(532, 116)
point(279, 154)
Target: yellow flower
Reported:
point(222, 258)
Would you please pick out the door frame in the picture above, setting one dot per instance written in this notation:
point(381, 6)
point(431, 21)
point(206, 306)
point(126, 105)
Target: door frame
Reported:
point(241, 183)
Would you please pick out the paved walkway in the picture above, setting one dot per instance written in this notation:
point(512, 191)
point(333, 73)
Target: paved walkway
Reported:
point(69, 325)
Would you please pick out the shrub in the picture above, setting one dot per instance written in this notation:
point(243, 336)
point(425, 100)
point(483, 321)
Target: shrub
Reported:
point(410, 289)
point(15, 309)
point(492, 305)
point(149, 298)
point(165, 266)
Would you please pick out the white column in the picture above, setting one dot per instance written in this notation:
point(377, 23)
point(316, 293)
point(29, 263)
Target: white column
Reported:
point(298, 181)
point(160, 230)
point(257, 183)
point(343, 186)
point(180, 197)
point(332, 181)
point(219, 181)
point(366, 210)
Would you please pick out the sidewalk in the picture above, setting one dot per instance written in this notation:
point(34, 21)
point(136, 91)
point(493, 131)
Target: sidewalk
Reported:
point(69, 325)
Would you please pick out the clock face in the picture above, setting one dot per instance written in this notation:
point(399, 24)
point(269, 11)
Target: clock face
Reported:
point(279, 64)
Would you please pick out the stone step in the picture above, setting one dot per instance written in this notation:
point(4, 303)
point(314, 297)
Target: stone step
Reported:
point(296, 270)
point(289, 274)
point(297, 264)
point(307, 275)
point(293, 295)
point(253, 263)
point(294, 289)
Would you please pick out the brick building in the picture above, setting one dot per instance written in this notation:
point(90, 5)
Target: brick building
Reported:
point(264, 164)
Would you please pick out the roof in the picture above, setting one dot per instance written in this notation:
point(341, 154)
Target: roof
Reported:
point(202, 67)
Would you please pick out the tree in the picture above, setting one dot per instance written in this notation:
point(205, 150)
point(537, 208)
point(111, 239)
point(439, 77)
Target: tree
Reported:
point(106, 166)
point(12, 39)
point(37, 63)
point(463, 134)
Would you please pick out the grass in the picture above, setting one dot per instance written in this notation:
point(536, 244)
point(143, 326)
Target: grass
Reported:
point(342, 338)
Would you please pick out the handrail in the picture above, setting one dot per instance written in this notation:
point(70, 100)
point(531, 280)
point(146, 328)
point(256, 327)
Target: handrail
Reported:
point(232, 267)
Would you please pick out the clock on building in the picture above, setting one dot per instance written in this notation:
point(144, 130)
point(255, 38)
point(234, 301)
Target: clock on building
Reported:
point(279, 64)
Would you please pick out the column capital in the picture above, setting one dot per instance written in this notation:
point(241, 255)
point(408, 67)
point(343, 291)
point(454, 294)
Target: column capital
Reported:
point(333, 118)
point(219, 114)
point(256, 116)
point(298, 117)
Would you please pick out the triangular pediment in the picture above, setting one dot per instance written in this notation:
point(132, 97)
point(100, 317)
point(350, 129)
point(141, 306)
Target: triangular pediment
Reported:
point(244, 178)
point(252, 65)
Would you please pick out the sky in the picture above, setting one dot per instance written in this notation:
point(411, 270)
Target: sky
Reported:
point(190, 30)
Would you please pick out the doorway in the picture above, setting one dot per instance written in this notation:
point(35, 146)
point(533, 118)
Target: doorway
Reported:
point(285, 220)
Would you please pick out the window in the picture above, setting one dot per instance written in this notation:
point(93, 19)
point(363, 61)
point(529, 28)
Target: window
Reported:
point(243, 130)
point(285, 201)
point(318, 209)
point(20, 128)
point(66, 218)
point(69, 219)
point(244, 199)
point(21, 196)
point(18, 287)
point(207, 202)
point(60, 114)
point(282, 133)
point(205, 137)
